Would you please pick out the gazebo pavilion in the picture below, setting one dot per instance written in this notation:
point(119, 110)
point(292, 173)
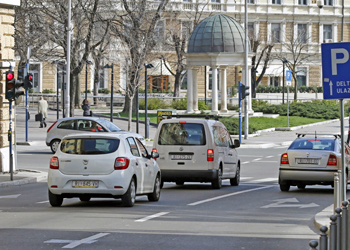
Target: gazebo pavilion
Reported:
point(218, 42)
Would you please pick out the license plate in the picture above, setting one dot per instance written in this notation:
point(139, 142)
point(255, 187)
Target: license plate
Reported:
point(181, 157)
point(307, 160)
point(85, 184)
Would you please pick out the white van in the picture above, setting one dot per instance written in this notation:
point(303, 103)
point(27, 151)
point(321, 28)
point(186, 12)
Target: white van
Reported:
point(196, 150)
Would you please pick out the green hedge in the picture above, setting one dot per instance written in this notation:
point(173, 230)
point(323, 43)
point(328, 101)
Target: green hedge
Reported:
point(279, 89)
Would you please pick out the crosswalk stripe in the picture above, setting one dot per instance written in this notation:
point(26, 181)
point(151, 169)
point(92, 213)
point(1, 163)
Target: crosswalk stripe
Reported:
point(263, 180)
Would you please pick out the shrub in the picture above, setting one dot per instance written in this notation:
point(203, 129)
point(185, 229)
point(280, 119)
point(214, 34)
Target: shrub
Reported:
point(153, 104)
point(232, 125)
point(179, 104)
point(104, 91)
point(48, 91)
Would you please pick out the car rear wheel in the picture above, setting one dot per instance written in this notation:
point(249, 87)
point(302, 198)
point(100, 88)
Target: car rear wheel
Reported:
point(54, 145)
point(284, 187)
point(129, 197)
point(155, 195)
point(180, 183)
point(217, 183)
point(235, 181)
point(55, 200)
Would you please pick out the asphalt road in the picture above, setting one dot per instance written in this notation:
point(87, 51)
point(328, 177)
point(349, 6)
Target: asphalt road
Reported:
point(254, 215)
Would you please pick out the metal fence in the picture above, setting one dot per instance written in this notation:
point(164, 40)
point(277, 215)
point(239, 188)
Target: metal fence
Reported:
point(338, 237)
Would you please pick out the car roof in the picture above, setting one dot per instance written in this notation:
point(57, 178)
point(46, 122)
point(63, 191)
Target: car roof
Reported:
point(118, 135)
point(93, 118)
point(190, 120)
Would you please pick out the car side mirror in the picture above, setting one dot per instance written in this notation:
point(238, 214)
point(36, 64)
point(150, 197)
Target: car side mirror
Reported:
point(236, 143)
point(154, 155)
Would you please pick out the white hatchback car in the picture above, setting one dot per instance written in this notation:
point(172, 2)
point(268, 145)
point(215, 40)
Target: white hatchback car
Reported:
point(114, 165)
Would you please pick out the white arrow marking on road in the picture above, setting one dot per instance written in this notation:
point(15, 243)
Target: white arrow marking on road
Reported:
point(330, 86)
point(14, 196)
point(280, 203)
point(75, 243)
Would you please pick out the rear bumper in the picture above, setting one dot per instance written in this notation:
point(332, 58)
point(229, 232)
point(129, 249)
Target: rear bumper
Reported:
point(307, 176)
point(189, 175)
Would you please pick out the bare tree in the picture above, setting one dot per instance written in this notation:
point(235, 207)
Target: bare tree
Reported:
point(177, 36)
point(135, 27)
point(296, 51)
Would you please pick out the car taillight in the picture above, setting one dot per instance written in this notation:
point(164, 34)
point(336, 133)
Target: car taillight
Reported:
point(51, 127)
point(154, 150)
point(54, 163)
point(121, 163)
point(210, 155)
point(284, 158)
point(332, 160)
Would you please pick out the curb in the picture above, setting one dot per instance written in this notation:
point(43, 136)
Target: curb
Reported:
point(322, 218)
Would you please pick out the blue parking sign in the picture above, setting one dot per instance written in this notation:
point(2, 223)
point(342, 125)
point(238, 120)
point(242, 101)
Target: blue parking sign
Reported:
point(289, 75)
point(335, 70)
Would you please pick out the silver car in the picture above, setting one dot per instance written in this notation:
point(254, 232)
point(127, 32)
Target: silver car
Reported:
point(75, 125)
point(311, 159)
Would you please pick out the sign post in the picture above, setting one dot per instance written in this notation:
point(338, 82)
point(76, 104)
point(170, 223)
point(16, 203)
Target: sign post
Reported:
point(336, 85)
point(289, 82)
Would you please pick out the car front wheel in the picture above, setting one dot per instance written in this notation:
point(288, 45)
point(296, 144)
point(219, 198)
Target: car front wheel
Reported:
point(155, 195)
point(129, 197)
point(284, 187)
point(55, 200)
point(54, 145)
point(217, 183)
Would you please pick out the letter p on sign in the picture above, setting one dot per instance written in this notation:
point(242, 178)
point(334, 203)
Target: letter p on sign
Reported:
point(336, 61)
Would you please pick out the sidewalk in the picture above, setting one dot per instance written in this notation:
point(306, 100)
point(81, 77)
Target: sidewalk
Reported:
point(268, 138)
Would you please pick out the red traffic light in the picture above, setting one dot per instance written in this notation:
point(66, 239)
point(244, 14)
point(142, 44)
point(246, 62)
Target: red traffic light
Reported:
point(9, 76)
point(29, 77)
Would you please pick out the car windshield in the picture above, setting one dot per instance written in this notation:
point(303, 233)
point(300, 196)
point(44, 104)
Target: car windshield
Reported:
point(110, 126)
point(83, 146)
point(315, 144)
point(182, 134)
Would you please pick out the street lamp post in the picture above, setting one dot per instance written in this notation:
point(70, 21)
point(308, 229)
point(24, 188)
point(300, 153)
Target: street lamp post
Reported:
point(147, 66)
point(111, 67)
point(86, 77)
point(284, 61)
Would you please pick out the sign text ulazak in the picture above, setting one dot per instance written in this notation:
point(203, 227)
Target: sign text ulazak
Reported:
point(336, 70)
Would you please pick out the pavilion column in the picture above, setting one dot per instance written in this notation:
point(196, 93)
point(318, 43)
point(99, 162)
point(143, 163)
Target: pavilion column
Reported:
point(189, 91)
point(214, 93)
point(195, 89)
point(223, 89)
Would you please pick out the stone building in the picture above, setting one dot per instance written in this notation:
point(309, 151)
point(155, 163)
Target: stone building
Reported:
point(7, 55)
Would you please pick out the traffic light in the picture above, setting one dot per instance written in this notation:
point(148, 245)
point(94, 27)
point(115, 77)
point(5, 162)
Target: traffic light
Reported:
point(28, 81)
point(13, 86)
point(244, 91)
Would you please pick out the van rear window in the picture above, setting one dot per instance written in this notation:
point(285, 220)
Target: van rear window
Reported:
point(84, 146)
point(182, 134)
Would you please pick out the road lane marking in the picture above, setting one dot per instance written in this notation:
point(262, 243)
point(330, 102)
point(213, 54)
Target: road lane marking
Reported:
point(151, 217)
point(281, 203)
point(228, 195)
point(270, 156)
point(40, 202)
point(14, 196)
point(251, 156)
point(75, 243)
point(257, 159)
point(263, 180)
point(269, 161)
point(245, 162)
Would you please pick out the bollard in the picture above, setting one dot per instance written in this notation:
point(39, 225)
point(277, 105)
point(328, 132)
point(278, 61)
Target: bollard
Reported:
point(333, 233)
point(336, 191)
point(344, 225)
point(323, 238)
point(348, 224)
point(313, 244)
point(338, 237)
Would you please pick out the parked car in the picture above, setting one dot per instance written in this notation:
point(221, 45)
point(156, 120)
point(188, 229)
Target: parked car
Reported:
point(115, 165)
point(312, 159)
point(76, 125)
point(196, 150)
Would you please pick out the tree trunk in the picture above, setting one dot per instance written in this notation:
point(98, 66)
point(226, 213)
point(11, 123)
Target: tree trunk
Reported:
point(78, 91)
point(130, 115)
point(177, 84)
point(72, 95)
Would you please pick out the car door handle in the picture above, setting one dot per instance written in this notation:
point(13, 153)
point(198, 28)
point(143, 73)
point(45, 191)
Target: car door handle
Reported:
point(137, 163)
point(230, 154)
point(146, 165)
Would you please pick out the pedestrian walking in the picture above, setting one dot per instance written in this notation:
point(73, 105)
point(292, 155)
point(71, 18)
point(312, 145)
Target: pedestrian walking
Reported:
point(86, 107)
point(42, 109)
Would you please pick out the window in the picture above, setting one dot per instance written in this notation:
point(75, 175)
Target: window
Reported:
point(301, 76)
point(186, 29)
point(111, 126)
point(159, 31)
point(327, 32)
point(251, 1)
point(302, 2)
point(187, 1)
point(328, 2)
point(142, 148)
point(251, 30)
point(61, 72)
point(276, 1)
point(220, 137)
point(184, 80)
point(69, 124)
point(274, 81)
point(276, 32)
point(182, 134)
point(302, 33)
point(89, 146)
point(133, 148)
point(215, 1)
point(101, 79)
point(211, 79)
